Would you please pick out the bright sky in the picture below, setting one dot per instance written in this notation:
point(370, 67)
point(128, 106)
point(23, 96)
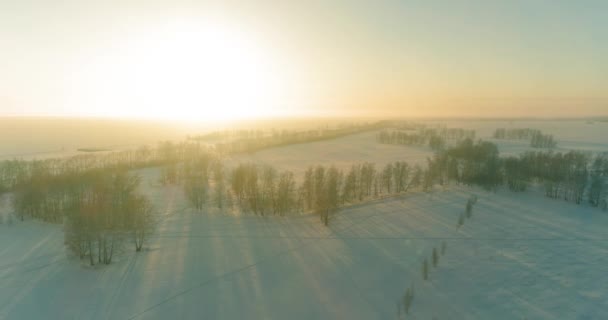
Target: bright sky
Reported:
point(201, 60)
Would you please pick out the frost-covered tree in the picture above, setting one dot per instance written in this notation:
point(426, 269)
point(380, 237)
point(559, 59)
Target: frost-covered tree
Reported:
point(401, 173)
point(102, 211)
point(197, 190)
point(332, 194)
point(141, 218)
point(307, 189)
point(599, 174)
point(387, 178)
point(220, 185)
point(286, 199)
point(268, 190)
point(368, 174)
point(350, 187)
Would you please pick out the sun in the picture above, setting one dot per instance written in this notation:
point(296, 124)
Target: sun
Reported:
point(187, 71)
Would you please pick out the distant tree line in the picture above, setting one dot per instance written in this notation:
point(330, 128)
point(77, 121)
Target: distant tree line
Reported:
point(263, 190)
point(572, 176)
point(435, 138)
point(514, 133)
point(536, 137)
point(15, 172)
point(245, 141)
point(540, 140)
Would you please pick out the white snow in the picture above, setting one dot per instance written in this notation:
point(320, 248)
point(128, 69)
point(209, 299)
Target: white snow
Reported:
point(342, 153)
point(519, 256)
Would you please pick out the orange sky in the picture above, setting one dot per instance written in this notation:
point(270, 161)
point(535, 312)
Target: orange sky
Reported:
point(209, 60)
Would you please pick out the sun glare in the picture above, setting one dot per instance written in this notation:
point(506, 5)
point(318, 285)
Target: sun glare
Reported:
point(186, 71)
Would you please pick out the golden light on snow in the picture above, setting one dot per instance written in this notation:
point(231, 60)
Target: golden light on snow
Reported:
point(185, 71)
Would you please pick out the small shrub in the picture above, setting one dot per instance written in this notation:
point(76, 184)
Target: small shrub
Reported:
point(469, 208)
point(425, 269)
point(460, 220)
point(408, 297)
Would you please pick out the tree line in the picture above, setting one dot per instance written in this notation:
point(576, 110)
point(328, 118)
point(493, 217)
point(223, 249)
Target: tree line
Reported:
point(100, 209)
point(264, 190)
point(15, 173)
point(540, 140)
point(435, 138)
point(572, 176)
point(95, 196)
point(322, 190)
point(536, 137)
point(246, 141)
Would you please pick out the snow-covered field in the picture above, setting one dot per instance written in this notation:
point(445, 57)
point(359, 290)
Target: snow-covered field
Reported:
point(516, 258)
point(28, 140)
point(520, 256)
point(342, 153)
point(358, 148)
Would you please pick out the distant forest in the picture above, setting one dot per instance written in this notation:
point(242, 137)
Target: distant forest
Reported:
point(435, 138)
point(536, 137)
point(241, 141)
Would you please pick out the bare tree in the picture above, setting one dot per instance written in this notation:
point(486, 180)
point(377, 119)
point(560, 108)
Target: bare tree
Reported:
point(142, 217)
point(387, 178)
point(196, 191)
point(220, 185)
point(332, 194)
point(286, 194)
point(268, 191)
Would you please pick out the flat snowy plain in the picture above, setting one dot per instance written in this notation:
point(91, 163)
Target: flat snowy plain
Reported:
point(341, 152)
point(516, 258)
point(520, 256)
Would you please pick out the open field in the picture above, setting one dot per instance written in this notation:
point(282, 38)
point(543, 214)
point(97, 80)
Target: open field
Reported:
point(528, 257)
point(30, 139)
point(303, 160)
point(342, 152)
point(520, 255)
